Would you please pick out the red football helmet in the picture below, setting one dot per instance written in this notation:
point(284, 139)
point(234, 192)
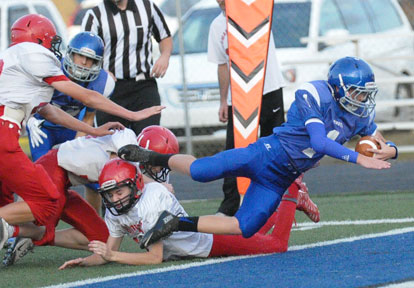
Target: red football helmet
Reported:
point(37, 29)
point(114, 175)
point(161, 140)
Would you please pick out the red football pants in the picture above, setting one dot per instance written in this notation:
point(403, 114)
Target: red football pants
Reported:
point(25, 178)
point(83, 217)
point(277, 241)
point(76, 211)
point(71, 207)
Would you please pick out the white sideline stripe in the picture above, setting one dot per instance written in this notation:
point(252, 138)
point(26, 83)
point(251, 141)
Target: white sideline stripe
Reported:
point(227, 259)
point(352, 239)
point(308, 225)
point(409, 284)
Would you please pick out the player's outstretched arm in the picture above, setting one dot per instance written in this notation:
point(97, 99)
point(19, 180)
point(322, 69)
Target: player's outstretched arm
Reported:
point(372, 163)
point(58, 116)
point(153, 256)
point(97, 101)
point(322, 144)
point(95, 259)
point(161, 64)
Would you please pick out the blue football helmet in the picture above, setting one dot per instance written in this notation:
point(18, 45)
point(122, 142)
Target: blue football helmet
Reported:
point(89, 45)
point(353, 84)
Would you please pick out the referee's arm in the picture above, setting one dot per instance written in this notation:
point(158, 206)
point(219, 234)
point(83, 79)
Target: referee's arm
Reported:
point(161, 65)
point(163, 36)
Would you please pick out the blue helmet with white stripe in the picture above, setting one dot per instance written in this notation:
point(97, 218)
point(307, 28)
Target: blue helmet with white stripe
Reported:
point(354, 87)
point(85, 44)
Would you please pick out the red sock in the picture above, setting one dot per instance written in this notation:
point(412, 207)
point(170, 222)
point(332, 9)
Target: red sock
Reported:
point(292, 193)
point(16, 230)
point(269, 224)
point(228, 245)
point(284, 220)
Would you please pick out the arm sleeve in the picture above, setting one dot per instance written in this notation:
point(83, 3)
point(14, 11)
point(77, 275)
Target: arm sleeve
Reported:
point(160, 28)
point(323, 145)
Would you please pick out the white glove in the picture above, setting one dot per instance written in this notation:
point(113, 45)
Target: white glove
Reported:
point(36, 133)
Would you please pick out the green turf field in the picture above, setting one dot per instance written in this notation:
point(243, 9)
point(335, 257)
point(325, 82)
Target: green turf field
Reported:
point(40, 268)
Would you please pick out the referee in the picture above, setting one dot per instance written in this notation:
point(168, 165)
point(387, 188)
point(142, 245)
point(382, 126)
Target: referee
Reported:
point(126, 27)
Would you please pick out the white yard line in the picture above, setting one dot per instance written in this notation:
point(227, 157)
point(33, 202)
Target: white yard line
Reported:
point(352, 239)
point(227, 259)
point(408, 284)
point(309, 225)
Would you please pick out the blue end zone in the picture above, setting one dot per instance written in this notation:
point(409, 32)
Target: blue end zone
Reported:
point(368, 262)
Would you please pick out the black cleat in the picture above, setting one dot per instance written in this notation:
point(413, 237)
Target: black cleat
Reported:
point(17, 250)
point(166, 224)
point(134, 153)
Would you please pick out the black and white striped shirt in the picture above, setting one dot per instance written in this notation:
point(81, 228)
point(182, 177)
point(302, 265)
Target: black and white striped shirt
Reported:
point(127, 35)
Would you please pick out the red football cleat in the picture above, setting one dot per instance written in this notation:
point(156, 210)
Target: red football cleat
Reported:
point(306, 204)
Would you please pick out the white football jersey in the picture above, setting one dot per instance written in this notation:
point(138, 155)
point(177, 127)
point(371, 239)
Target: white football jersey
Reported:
point(144, 215)
point(23, 70)
point(86, 156)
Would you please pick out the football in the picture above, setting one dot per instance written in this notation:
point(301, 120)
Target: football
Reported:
point(365, 143)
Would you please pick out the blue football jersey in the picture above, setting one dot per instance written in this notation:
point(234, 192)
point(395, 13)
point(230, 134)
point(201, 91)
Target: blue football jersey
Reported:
point(314, 100)
point(104, 84)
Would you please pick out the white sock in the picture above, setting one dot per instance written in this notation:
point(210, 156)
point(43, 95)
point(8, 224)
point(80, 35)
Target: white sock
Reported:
point(11, 229)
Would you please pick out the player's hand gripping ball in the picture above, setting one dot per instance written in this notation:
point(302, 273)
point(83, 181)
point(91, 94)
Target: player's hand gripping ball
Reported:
point(367, 142)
